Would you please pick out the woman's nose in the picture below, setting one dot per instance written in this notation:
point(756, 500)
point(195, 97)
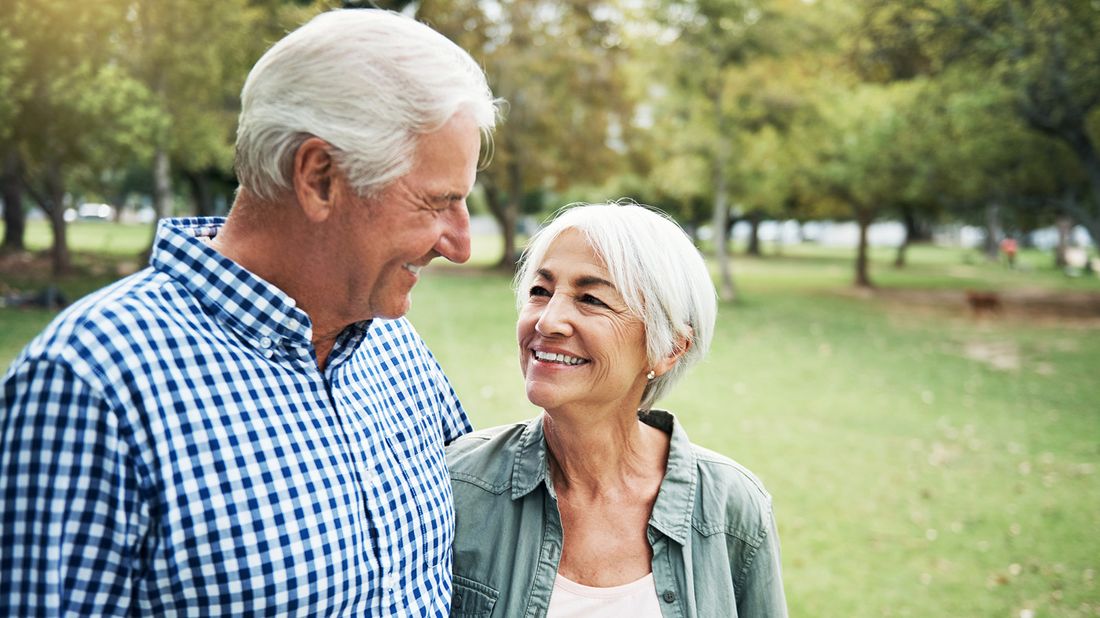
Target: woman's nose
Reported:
point(554, 318)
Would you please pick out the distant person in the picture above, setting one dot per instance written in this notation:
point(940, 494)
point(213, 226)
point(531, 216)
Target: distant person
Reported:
point(1008, 248)
point(601, 506)
point(249, 426)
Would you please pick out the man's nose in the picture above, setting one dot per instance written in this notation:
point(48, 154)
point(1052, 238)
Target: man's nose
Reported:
point(454, 242)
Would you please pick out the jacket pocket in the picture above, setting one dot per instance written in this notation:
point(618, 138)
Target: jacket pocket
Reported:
point(472, 599)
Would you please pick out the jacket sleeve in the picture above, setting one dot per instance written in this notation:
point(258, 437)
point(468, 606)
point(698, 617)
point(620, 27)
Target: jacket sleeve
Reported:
point(69, 504)
point(760, 594)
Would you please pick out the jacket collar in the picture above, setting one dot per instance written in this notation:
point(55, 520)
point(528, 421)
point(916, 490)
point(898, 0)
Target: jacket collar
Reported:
point(675, 499)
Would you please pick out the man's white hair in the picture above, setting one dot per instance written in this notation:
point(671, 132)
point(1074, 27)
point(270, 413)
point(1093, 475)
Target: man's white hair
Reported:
point(366, 81)
point(654, 265)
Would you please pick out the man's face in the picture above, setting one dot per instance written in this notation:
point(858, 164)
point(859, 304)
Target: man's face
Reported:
point(419, 217)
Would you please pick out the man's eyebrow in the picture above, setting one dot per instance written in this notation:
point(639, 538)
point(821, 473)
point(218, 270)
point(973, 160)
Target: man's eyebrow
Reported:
point(448, 196)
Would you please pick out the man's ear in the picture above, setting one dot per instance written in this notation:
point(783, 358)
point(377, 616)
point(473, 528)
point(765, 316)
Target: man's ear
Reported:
point(682, 346)
point(315, 178)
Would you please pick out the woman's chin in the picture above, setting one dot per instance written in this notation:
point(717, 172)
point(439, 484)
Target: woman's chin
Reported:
point(542, 396)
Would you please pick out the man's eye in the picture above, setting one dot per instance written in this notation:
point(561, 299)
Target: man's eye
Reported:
point(538, 290)
point(592, 300)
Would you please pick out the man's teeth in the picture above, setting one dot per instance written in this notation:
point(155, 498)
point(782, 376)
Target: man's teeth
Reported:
point(413, 268)
point(559, 358)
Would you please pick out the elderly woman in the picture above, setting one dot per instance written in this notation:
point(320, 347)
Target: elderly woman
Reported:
point(601, 506)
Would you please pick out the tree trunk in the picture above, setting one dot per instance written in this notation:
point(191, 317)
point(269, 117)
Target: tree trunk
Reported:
point(11, 191)
point(162, 194)
point(912, 232)
point(201, 197)
point(726, 289)
point(863, 279)
point(754, 233)
point(51, 198)
point(60, 260)
point(501, 208)
point(993, 231)
point(1064, 225)
point(900, 257)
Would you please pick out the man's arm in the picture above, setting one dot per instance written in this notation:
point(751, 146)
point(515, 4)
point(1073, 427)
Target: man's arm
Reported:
point(452, 415)
point(70, 511)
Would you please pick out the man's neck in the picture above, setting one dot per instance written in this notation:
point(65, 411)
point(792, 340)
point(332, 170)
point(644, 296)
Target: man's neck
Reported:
point(272, 241)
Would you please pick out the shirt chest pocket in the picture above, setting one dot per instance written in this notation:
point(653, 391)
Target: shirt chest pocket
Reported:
point(471, 599)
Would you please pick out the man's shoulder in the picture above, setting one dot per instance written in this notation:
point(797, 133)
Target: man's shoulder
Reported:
point(114, 317)
point(485, 458)
point(730, 498)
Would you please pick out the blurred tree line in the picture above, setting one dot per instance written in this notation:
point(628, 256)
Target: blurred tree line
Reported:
point(717, 111)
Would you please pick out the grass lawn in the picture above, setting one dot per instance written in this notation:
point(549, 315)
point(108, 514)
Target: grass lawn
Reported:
point(923, 461)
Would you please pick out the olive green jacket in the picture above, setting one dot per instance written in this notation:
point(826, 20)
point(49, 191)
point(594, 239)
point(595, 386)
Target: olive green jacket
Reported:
point(715, 548)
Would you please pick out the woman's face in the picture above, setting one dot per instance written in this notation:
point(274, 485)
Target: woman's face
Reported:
point(579, 345)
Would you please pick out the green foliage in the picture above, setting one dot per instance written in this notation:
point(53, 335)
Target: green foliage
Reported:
point(1042, 58)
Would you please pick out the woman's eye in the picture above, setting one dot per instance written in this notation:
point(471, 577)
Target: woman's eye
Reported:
point(592, 300)
point(538, 290)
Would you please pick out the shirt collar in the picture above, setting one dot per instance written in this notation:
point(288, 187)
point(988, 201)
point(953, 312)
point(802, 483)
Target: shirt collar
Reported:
point(675, 502)
point(254, 308)
point(530, 467)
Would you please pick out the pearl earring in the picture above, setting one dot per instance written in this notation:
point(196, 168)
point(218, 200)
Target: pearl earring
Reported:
point(652, 374)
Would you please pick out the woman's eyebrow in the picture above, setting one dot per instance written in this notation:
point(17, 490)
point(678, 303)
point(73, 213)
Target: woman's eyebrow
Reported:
point(583, 281)
point(589, 281)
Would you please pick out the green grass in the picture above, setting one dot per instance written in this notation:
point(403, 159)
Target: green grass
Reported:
point(922, 462)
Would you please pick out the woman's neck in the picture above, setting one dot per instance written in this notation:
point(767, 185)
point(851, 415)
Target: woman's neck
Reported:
point(604, 455)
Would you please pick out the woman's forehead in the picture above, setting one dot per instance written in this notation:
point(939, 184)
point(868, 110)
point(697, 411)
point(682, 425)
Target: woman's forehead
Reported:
point(571, 251)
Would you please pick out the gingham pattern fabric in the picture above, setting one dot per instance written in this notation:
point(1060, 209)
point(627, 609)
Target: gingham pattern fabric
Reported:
point(168, 446)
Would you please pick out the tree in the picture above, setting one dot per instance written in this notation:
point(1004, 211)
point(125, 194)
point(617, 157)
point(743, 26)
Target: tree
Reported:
point(1043, 53)
point(192, 55)
point(728, 71)
point(859, 160)
point(11, 96)
point(73, 109)
point(555, 63)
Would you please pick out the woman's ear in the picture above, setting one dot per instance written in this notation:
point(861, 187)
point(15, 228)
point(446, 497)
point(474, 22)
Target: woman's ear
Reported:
point(682, 346)
point(314, 178)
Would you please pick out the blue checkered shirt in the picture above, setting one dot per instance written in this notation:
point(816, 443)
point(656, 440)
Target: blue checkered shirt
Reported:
point(169, 446)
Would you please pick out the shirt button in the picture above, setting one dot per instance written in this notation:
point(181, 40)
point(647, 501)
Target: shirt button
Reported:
point(265, 342)
point(669, 596)
point(389, 581)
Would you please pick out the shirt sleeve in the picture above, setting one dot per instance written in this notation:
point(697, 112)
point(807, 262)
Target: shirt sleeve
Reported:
point(455, 423)
point(761, 592)
point(69, 506)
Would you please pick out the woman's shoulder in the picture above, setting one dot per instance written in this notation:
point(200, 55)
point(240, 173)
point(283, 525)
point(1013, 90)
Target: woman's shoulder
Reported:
point(485, 458)
point(730, 499)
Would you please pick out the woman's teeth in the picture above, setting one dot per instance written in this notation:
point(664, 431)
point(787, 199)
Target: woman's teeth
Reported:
point(559, 358)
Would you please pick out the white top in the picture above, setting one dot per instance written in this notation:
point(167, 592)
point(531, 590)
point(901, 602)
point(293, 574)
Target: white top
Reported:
point(638, 599)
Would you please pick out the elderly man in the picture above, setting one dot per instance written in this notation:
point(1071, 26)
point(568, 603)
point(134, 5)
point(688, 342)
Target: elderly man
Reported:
point(249, 426)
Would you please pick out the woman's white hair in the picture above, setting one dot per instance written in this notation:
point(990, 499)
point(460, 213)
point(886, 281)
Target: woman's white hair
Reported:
point(368, 82)
point(653, 264)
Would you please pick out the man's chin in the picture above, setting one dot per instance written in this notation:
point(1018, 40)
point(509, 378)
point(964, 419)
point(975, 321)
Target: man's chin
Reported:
point(392, 311)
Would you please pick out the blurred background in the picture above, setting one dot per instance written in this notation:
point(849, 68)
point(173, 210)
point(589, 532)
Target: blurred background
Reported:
point(899, 199)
